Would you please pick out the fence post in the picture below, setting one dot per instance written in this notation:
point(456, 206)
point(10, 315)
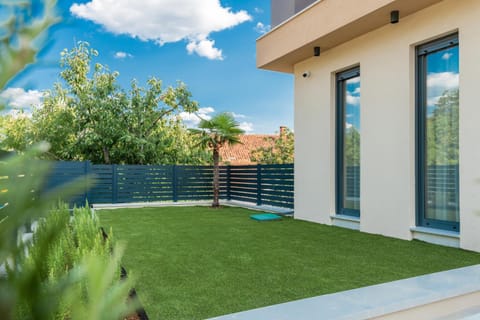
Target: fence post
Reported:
point(114, 184)
point(229, 197)
point(259, 185)
point(88, 170)
point(175, 182)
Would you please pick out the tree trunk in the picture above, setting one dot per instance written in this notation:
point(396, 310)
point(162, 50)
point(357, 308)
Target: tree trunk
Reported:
point(216, 177)
point(142, 156)
point(106, 155)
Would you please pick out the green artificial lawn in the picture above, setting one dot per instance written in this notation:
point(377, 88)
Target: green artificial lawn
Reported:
point(199, 262)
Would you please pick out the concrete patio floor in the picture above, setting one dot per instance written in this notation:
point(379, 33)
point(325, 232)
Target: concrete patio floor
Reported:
point(447, 295)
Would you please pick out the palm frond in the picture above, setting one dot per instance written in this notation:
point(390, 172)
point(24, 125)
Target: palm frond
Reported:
point(218, 131)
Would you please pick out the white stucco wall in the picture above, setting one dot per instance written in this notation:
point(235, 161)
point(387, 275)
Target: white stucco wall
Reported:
point(387, 64)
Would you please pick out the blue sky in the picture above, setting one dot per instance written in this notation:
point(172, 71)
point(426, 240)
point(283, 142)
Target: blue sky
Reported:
point(208, 44)
point(352, 112)
point(442, 75)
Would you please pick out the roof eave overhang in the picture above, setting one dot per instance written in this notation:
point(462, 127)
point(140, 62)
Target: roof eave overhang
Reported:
point(327, 24)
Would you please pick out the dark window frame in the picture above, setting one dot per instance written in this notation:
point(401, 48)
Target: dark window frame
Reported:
point(422, 53)
point(341, 79)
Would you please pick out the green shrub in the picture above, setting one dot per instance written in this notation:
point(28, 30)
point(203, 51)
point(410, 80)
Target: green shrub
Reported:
point(78, 235)
point(69, 253)
point(57, 280)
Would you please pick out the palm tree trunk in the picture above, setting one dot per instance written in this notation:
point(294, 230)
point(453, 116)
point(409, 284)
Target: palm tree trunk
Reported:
point(216, 177)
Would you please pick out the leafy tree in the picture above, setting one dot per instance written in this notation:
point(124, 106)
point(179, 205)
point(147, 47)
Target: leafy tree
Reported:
point(178, 145)
point(89, 117)
point(214, 134)
point(442, 130)
point(17, 131)
point(55, 122)
point(352, 147)
point(110, 121)
point(279, 150)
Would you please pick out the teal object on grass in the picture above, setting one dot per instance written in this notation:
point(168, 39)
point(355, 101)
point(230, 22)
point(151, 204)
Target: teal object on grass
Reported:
point(265, 217)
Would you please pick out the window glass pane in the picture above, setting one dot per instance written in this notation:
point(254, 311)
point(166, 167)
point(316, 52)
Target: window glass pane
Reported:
point(351, 143)
point(441, 129)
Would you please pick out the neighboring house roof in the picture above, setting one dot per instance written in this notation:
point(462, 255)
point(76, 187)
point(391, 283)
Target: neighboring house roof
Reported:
point(239, 154)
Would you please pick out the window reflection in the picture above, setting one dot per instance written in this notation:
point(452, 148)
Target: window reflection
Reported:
point(351, 152)
point(441, 130)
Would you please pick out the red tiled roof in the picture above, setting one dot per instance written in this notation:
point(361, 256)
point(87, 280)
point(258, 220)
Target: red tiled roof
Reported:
point(239, 154)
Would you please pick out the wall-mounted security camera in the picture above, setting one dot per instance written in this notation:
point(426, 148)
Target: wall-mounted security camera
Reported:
point(306, 74)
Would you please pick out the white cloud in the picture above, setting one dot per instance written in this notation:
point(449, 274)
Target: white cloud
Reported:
point(164, 21)
point(352, 100)
point(205, 112)
point(438, 83)
point(122, 55)
point(258, 10)
point(357, 90)
point(237, 115)
point(193, 119)
point(246, 126)
point(205, 48)
point(348, 125)
point(444, 80)
point(18, 98)
point(447, 55)
point(261, 28)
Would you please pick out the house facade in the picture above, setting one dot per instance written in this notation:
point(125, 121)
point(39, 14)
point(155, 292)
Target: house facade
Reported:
point(387, 116)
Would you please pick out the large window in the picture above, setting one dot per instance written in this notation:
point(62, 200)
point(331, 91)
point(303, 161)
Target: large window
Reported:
point(437, 133)
point(348, 142)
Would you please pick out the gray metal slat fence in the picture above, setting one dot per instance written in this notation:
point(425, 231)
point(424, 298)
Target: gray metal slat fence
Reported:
point(258, 184)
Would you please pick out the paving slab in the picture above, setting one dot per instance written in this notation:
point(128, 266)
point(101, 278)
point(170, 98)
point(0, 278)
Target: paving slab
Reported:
point(373, 301)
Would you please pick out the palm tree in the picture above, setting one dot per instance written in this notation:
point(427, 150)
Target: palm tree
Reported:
point(214, 134)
